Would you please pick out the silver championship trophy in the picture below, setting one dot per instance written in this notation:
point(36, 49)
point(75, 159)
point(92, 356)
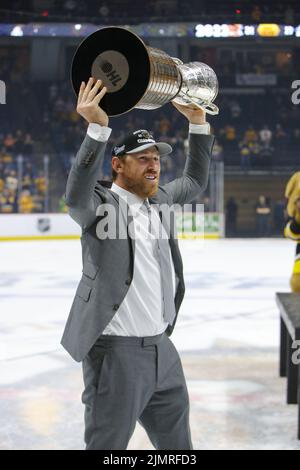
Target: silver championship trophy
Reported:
point(138, 76)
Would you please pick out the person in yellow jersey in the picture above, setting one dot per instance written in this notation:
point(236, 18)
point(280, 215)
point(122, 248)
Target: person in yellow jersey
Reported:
point(26, 202)
point(292, 229)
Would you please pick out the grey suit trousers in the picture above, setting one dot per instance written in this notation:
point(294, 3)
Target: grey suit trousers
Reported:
point(130, 379)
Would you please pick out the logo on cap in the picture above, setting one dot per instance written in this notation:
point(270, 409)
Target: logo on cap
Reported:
point(118, 150)
point(144, 134)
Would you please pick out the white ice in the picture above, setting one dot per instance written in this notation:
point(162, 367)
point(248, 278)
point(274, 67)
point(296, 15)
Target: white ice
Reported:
point(229, 314)
point(230, 296)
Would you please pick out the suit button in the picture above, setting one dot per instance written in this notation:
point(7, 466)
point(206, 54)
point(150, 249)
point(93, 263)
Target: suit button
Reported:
point(115, 307)
point(128, 281)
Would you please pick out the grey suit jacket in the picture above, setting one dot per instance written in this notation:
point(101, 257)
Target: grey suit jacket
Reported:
point(108, 264)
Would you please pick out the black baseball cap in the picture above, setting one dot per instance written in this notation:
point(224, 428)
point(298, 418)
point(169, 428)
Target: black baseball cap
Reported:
point(137, 141)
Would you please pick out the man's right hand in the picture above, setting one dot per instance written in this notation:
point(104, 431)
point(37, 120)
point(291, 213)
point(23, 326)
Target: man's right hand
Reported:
point(88, 102)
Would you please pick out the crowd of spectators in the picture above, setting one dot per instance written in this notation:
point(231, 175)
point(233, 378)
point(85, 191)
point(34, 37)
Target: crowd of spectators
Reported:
point(22, 182)
point(22, 186)
point(260, 131)
point(243, 139)
point(253, 131)
point(242, 136)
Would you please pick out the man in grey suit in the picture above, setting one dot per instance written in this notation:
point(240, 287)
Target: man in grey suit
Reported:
point(128, 298)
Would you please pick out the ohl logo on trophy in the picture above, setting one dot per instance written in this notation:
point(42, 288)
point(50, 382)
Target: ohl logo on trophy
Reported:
point(110, 73)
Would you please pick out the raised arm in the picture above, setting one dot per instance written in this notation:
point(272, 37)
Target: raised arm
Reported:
point(195, 174)
point(80, 197)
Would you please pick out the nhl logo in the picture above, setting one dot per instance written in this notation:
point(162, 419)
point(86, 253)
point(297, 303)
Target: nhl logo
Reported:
point(43, 225)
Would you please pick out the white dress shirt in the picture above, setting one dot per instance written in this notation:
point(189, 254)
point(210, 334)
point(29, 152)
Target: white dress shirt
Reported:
point(141, 312)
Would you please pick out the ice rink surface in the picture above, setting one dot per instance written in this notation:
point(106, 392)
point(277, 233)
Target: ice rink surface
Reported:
point(227, 334)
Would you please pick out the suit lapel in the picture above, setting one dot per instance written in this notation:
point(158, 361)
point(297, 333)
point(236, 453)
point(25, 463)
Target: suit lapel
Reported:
point(127, 219)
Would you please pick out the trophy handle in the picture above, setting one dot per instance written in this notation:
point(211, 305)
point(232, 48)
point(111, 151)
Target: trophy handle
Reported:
point(210, 108)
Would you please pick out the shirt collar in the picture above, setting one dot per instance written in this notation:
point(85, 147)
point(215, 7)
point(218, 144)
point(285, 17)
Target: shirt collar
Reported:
point(133, 200)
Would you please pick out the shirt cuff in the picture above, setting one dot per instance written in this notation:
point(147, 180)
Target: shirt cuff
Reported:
point(199, 128)
point(97, 132)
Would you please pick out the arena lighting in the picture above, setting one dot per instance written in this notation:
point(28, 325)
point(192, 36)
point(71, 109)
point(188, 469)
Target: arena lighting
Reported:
point(268, 29)
point(219, 30)
point(239, 30)
point(249, 30)
point(17, 31)
point(289, 30)
point(146, 30)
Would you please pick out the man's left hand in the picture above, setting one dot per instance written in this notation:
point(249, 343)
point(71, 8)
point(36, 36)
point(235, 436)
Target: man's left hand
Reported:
point(194, 114)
